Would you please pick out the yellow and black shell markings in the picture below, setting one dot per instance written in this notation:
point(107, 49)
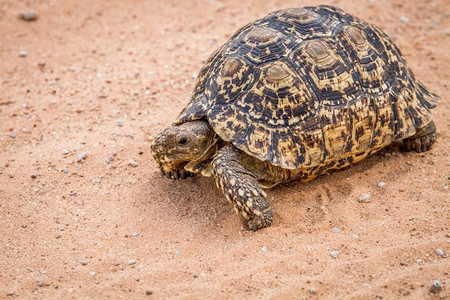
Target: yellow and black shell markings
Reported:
point(310, 88)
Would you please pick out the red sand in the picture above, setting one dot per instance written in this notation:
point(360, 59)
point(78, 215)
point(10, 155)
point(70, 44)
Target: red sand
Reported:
point(134, 61)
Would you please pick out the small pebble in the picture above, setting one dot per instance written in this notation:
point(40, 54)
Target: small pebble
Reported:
point(10, 293)
point(312, 291)
point(13, 135)
point(23, 53)
point(84, 262)
point(381, 184)
point(264, 249)
point(439, 252)
point(29, 16)
point(436, 287)
point(364, 284)
point(131, 262)
point(82, 157)
point(364, 198)
point(107, 161)
point(11, 175)
point(33, 176)
point(133, 163)
point(404, 19)
point(65, 152)
point(119, 122)
point(177, 252)
point(334, 254)
point(135, 234)
point(419, 261)
point(65, 171)
point(92, 273)
point(336, 230)
point(149, 292)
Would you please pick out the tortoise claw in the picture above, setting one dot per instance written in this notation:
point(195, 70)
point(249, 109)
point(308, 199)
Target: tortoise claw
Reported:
point(177, 174)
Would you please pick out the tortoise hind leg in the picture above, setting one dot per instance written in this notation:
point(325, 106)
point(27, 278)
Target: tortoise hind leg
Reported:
point(422, 140)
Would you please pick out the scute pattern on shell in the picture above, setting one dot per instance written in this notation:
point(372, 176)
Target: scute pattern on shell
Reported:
point(302, 87)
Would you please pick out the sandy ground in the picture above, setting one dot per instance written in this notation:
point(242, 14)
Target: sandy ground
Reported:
point(100, 77)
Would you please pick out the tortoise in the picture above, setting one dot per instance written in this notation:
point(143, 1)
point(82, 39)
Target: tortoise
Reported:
point(292, 96)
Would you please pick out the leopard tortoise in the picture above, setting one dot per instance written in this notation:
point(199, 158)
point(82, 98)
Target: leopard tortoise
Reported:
point(290, 97)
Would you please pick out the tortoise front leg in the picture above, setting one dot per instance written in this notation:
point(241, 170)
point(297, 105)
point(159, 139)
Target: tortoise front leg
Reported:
point(241, 188)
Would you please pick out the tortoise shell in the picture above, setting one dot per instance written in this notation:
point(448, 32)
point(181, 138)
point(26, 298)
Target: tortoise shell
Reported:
point(304, 86)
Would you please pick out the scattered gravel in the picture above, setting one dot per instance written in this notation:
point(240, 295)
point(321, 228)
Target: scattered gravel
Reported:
point(439, 252)
point(334, 254)
point(82, 157)
point(29, 16)
point(336, 230)
point(133, 163)
point(23, 53)
point(364, 198)
point(381, 184)
point(436, 287)
point(131, 262)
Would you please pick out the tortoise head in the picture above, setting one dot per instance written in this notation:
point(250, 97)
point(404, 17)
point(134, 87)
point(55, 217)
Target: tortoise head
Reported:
point(179, 145)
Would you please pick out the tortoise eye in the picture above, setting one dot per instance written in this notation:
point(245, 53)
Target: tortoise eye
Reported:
point(183, 141)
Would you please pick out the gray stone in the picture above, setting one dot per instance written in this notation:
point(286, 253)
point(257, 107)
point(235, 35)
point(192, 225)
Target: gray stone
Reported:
point(334, 254)
point(364, 198)
point(436, 287)
point(82, 157)
point(131, 262)
point(29, 15)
